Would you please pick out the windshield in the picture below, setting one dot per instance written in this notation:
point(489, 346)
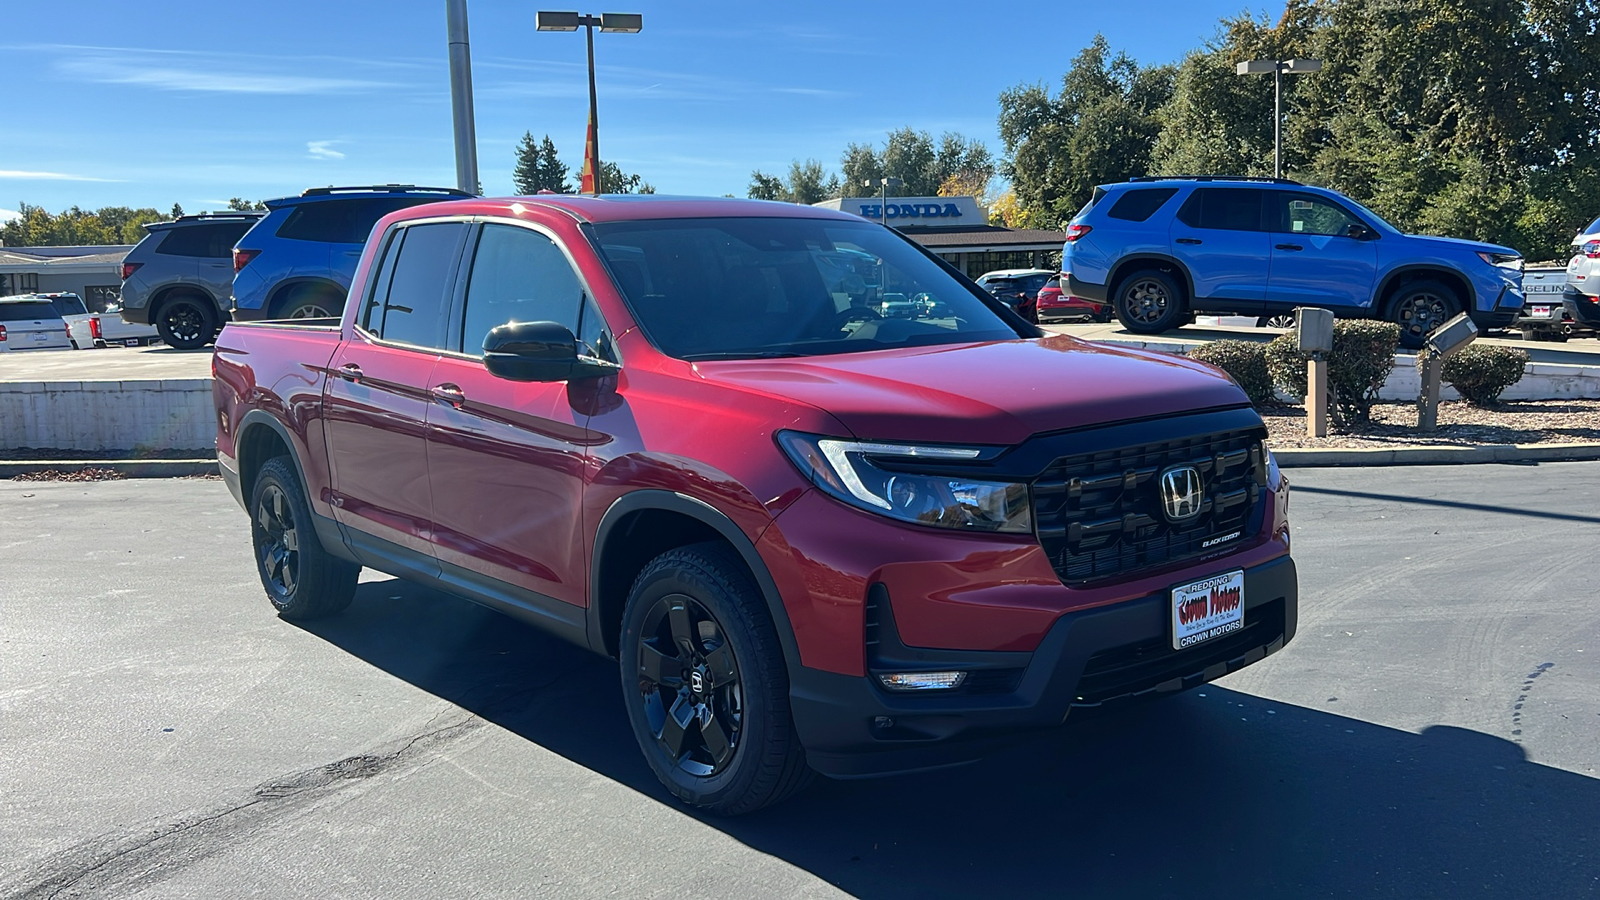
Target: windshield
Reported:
point(1593, 227)
point(756, 287)
point(1382, 222)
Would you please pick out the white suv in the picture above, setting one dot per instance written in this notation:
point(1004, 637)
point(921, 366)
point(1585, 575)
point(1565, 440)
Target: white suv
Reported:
point(1582, 294)
point(30, 323)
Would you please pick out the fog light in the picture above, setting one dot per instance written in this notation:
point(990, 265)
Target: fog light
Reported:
point(922, 681)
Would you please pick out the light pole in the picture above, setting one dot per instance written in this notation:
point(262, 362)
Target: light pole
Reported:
point(622, 23)
point(883, 203)
point(461, 96)
point(1277, 67)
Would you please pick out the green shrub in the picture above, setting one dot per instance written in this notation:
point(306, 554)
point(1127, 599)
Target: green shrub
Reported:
point(1480, 372)
point(1244, 361)
point(1362, 358)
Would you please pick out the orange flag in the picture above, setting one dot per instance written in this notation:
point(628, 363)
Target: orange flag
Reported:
point(586, 184)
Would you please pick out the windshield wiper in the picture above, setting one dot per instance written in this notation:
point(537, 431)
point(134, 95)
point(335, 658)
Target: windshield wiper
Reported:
point(741, 354)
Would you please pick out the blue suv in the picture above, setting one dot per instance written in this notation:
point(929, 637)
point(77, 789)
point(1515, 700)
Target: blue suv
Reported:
point(297, 262)
point(1160, 249)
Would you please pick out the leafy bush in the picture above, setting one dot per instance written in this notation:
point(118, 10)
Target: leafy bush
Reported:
point(1244, 361)
point(1479, 373)
point(1362, 358)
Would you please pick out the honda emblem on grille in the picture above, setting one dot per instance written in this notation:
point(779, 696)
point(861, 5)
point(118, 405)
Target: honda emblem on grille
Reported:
point(1181, 493)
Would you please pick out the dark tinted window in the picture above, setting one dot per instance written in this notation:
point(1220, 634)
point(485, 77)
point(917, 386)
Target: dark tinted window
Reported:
point(209, 241)
point(413, 309)
point(1593, 227)
point(25, 312)
point(518, 275)
point(594, 333)
point(1139, 205)
point(718, 288)
point(68, 306)
point(341, 221)
point(1310, 214)
point(1229, 209)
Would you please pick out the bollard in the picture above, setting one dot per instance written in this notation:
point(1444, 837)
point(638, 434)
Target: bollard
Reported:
point(1440, 343)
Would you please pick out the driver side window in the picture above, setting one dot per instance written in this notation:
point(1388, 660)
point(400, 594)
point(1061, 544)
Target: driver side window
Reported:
point(1312, 215)
point(518, 275)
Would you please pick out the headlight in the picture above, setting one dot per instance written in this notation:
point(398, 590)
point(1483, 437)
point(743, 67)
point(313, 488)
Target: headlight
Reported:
point(1503, 260)
point(848, 471)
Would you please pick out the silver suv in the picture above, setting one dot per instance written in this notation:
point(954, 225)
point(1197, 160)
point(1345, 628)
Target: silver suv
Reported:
point(180, 277)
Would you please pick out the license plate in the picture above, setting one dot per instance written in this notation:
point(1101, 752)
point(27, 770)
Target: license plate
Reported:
point(41, 337)
point(130, 342)
point(1207, 609)
point(1542, 312)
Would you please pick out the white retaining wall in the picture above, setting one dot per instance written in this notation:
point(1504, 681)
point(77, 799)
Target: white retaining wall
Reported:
point(172, 414)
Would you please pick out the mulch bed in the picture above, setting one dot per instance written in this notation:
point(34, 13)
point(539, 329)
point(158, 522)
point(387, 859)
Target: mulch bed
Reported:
point(1460, 424)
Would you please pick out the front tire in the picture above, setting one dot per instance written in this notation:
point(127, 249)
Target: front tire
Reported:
point(1419, 308)
point(1276, 320)
point(302, 579)
point(187, 322)
point(705, 684)
point(1148, 302)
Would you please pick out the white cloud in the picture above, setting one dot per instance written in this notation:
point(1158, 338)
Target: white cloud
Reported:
point(323, 150)
point(7, 215)
point(48, 176)
point(173, 78)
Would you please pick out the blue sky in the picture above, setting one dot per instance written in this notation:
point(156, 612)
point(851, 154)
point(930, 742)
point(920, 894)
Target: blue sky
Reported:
point(147, 104)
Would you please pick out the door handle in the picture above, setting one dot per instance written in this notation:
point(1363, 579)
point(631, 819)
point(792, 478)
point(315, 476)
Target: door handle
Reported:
point(450, 394)
point(1288, 246)
point(350, 372)
point(1187, 241)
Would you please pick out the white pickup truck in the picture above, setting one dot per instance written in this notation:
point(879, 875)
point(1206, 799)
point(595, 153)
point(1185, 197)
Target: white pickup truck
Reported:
point(88, 330)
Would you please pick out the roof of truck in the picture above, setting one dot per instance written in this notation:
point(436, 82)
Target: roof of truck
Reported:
point(631, 207)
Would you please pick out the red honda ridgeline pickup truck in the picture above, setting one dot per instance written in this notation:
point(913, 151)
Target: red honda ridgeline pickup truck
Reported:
point(831, 506)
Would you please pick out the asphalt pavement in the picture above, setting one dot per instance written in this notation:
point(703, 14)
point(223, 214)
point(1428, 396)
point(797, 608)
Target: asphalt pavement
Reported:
point(1433, 731)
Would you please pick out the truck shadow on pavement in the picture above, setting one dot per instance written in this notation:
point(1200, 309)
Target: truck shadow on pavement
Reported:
point(1213, 793)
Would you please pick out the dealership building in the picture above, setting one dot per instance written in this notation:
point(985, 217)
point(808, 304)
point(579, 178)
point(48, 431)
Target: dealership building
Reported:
point(958, 229)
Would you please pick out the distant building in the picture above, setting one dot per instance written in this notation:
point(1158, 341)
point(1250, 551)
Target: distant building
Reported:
point(958, 229)
point(93, 273)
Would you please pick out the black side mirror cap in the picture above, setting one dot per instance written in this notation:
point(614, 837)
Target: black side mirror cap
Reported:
point(538, 351)
point(1360, 233)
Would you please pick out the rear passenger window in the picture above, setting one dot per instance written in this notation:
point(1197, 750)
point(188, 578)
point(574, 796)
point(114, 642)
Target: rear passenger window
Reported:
point(413, 301)
point(518, 275)
point(1139, 205)
point(1226, 209)
point(205, 241)
point(341, 221)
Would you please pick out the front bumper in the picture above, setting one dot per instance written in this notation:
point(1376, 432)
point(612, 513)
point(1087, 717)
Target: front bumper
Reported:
point(1092, 658)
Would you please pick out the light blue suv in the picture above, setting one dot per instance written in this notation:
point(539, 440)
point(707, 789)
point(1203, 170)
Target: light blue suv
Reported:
point(1159, 249)
point(297, 262)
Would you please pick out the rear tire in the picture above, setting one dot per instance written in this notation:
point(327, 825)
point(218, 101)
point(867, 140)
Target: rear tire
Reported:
point(187, 322)
point(1148, 302)
point(705, 683)
point(302, 579)
point(310, 303)
point(1420, 307)
point(1276, 320)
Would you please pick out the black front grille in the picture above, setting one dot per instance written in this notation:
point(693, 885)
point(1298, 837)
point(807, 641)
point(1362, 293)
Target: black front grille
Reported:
point(1100, 514)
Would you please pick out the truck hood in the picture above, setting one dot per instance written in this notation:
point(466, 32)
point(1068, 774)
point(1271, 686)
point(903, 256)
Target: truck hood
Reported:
point(1461, 244)
point(986, 393)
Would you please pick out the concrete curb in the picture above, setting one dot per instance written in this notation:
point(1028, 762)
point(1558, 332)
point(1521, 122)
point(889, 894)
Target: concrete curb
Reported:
point(1432, 456)
point(130, 468)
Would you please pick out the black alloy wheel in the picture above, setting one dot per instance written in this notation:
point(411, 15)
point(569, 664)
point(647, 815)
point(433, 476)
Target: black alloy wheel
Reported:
point(302, 579)
point(705, 682)
point(689, 681)
point(277, 542)
point(185, 324)
point(1148, 302)
point(1421, 307)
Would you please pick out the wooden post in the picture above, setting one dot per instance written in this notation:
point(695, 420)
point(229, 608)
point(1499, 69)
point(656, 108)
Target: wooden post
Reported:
point(1317, 396)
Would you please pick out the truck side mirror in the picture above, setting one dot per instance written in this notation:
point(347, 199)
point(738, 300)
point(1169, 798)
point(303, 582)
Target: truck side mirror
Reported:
point(1359, 232)
point(538, 351)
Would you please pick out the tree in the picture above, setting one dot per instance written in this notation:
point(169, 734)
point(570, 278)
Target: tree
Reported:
point(239, 204)
point(808, 182)
point(862, 168)
point(177, 211)
point(616, 181)
point(1098, 129)
point(539, 167)
point(34, 227)
point(767, 187)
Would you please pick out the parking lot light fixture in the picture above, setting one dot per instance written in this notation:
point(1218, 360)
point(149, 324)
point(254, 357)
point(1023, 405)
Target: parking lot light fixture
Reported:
point(615, 23)
point(883, 204)
point(1278, 67)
